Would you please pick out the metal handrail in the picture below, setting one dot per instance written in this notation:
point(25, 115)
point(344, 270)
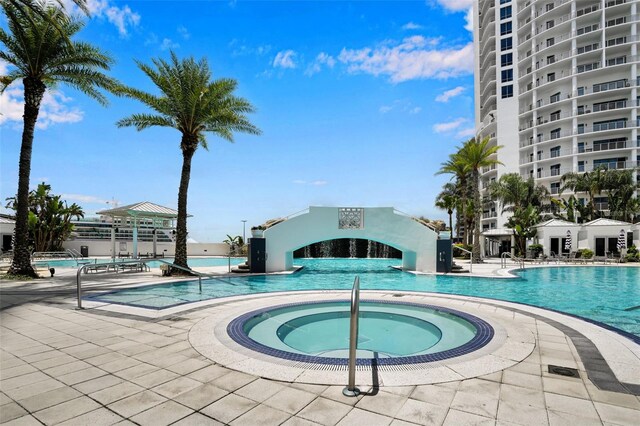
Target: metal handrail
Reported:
point(108, 265)
point(503, 259)
point(191, 271)
point(351, 389)
point(470, 258)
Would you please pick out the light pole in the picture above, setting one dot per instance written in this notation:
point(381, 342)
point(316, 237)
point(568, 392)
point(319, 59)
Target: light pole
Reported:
point(244, 223)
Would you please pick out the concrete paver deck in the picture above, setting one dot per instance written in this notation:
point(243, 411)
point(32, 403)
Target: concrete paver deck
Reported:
point(59, 365)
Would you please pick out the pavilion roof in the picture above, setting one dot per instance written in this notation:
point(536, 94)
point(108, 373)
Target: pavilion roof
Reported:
point(143, 209)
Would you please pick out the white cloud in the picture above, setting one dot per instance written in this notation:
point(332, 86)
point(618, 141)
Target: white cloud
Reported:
point(385, 109)
point(448, 94)
point(415, 110)
point(312, 183)
point(285, 59)
point(240, 49)
point(167, 44)
point(184, 33)
point(89, 199)
point(455, 5)
point(53, 109)
point(466, 133)
point(403, 105)
point(469, 20)
point(122, 17)
point(323, 59)
point(411, 26)
point(449, 126)
point(415, 58)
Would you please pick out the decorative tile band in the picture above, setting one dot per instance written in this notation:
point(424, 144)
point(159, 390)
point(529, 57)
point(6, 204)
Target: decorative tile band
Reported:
point(484, 334)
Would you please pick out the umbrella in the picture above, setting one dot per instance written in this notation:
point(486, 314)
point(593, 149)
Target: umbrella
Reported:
point(622, 240)
point(567, 242)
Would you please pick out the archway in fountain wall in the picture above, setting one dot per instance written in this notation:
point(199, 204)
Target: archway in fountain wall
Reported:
point(382, 224)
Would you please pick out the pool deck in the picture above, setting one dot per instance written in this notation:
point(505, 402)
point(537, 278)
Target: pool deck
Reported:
point(59, 365)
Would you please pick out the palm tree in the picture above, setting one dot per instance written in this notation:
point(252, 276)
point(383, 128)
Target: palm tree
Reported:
point(590, 182)
point(194, 104)
point(455, 167)
point(42, 55)
point(448, 200)
point(513, 193)
point(620, 193)
point(475, 155)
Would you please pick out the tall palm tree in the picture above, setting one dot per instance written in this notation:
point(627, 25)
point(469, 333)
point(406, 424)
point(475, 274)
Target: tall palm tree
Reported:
point(43, 54)
point(194, 104)
point(459, 171)
point(513, 192)
point(476, 154)
point(448, 200)
point(590, 182)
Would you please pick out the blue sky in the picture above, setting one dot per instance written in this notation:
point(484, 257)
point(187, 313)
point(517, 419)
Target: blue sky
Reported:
point(359, 103)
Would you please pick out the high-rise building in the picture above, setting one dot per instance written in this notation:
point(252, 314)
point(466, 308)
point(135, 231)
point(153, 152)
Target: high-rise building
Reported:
point(556, 83)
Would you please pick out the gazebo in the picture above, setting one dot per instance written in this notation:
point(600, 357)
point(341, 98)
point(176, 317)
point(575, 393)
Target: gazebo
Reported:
point(133, 215)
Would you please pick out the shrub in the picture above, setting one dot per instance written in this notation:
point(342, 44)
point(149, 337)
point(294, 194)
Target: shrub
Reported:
point(536, 249)
point(632, 254)
point(460, 253)
point(585, 253)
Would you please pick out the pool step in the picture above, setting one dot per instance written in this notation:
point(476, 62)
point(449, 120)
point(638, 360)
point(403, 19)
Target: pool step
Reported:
point(457, 269)
point(242, 268)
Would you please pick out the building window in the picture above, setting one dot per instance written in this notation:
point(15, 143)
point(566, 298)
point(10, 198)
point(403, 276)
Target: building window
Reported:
point(505, 12)
point(555, 170)
point(554, 98)
point(617, 61)
point(548, 7)
point(555, 116)
point(588, 29)
point(617, 21)
point(580, 91)
point(581, 166)
point(619, 123)
point(588, 48)
point(551, 59)
point(613, 42)
point(550, 42)
point(506, 44)
point(555, 133)
point(581, 128)
point(505, 28)
point(588, 67)
point(505, 1)
point(610, 163)
point(507, 75)
point(555, 152)
point(610, 85)
point(507, 91)
point(506, 59)
point(580, 147)
point(549, 24)
point(607, 144)
point(555, 187)
point(551, 77)
point(605, 106)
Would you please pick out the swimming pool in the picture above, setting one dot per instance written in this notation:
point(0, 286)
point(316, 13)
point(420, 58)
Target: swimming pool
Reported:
point(605, 294)
point(390, 332)
point(193, 262)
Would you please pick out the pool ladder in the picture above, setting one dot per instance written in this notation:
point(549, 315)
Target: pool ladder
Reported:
point(351, 389)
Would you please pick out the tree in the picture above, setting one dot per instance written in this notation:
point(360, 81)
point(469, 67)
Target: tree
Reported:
point(194, 104)
point(523, 223)
point(460, 172)
point(590, 182)
point(49, 219)
point(234, 243)
point(475, 155)
point(620, 194)
point(43, 54)
point(448, 200)
point(513, 193)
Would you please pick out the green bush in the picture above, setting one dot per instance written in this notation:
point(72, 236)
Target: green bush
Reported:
point(459, 253)
point(584, 254)
point(632, 254)
point(536, 249)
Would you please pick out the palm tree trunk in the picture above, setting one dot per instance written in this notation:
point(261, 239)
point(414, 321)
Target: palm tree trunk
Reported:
point(21, 265)
point(477, 208)
point(450, 222)
point(188, 149)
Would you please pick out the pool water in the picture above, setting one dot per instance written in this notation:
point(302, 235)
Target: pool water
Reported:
point(386, 329)
point(607, 294)
point(193, 262)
